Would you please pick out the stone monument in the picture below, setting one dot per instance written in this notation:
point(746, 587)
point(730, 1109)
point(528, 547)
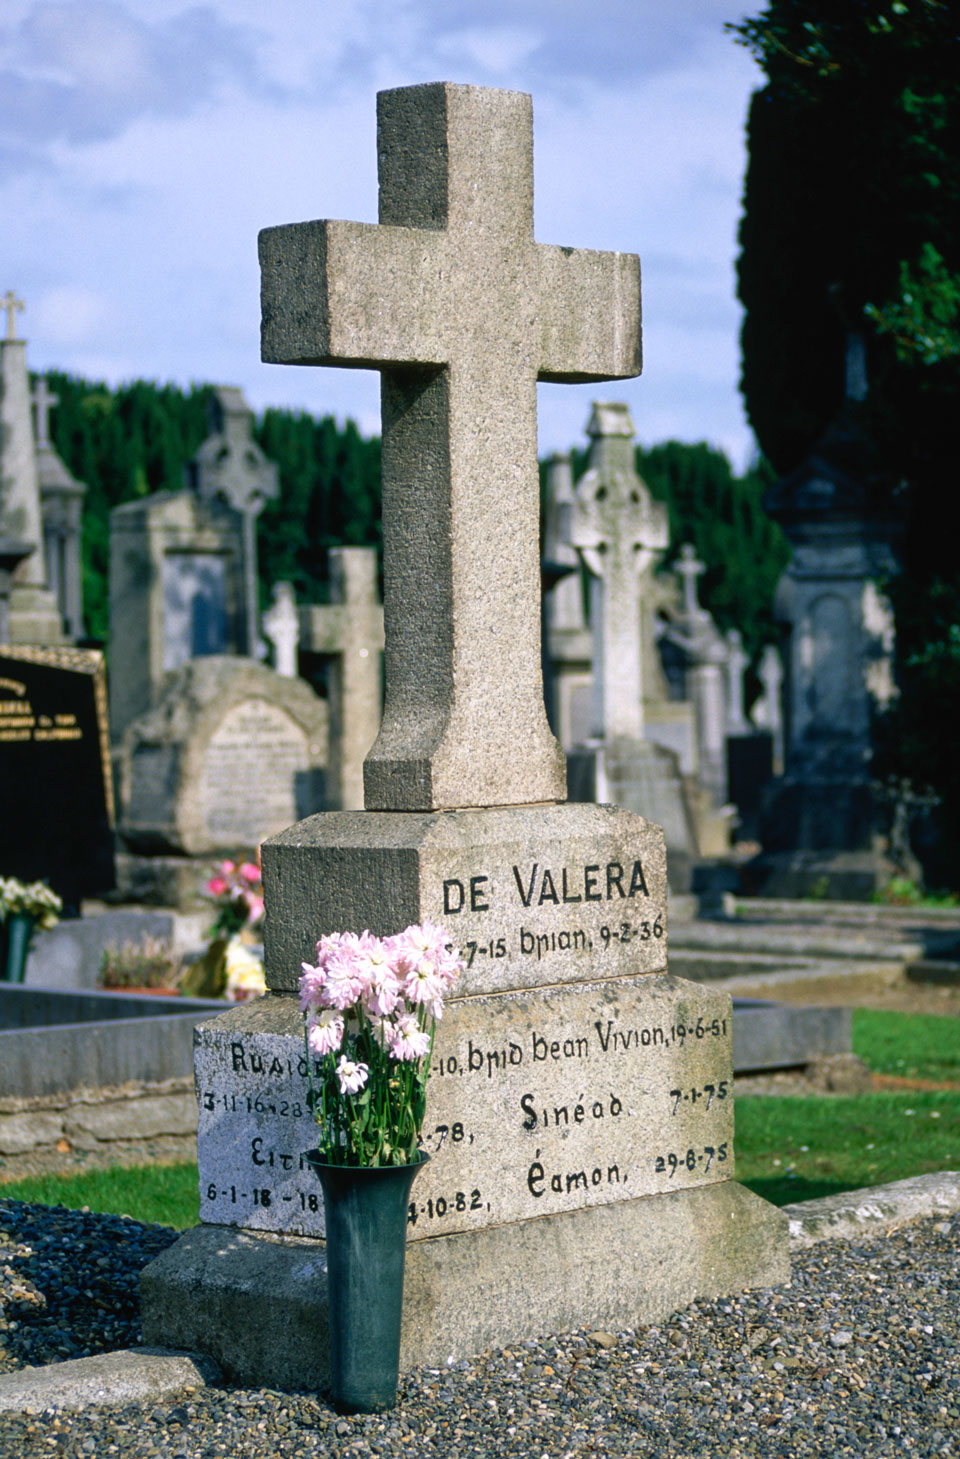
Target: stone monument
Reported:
point(231, 467)
point(822, 824)
point(31, 613)
point(61, 505)
point(568, 641)
point(176, 593)
point(575, 1091)
point(281, 624)
point(620, 531)
point(348, 632)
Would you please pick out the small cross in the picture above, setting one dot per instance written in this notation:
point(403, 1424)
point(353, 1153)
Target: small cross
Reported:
point(12, 304)
point(450, 297)
point(688, 569)
point(43, 402)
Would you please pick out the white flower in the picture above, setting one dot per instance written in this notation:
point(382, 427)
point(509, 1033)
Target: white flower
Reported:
point(244, 973)
point(352, 1076)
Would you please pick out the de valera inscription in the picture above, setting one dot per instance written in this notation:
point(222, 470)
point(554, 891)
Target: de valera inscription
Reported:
point(537, 1104)
point(542, 895)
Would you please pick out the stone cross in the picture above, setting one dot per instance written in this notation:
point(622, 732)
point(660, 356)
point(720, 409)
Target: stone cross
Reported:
point(350, 631)
point(769, 712)
point(281, 624)
point(12, 305)
point(738, 661)
point(43, 400)
point(450, 297)
point(688, 569)
point(564, 604)
point(619, 530)
point(231, 465)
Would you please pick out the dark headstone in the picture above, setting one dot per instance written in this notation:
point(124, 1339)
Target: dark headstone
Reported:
point(55, 780)
point(749, 772)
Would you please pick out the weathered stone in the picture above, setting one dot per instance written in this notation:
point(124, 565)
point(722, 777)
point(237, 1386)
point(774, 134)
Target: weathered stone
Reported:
point(264, 1314)
point(19, 1133)
point(231, 753)
point(133, 1119)
point(531, 895)
point(538, 1102)
point(478, 313)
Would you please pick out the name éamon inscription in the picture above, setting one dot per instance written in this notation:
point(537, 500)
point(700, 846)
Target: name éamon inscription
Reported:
point(575, 1097)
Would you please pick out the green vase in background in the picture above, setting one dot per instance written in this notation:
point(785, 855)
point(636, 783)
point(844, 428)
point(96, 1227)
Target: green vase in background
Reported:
point(15, 934)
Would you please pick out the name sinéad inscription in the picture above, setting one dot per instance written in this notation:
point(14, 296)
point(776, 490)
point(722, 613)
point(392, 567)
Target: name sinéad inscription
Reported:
point(537, 1104)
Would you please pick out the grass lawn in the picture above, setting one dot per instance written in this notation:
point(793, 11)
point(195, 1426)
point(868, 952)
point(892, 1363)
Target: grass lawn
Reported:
point(787, 1149)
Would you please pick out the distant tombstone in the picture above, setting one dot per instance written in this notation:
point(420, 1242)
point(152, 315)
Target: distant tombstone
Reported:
point(737, 663)
point(695, 632)
point(768, 710)
point(822, 822)
point(230, 754)
point(61, 503)
point(281, 624)
point(349, 632)
point(176, 593)
point(56, 785)
point(231, 466)
point(32, 615)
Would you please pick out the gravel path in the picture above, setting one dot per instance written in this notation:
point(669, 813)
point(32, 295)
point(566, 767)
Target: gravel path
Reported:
point(860, 1355)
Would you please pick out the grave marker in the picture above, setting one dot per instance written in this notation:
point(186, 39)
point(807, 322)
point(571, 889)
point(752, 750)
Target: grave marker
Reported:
point(56, 781)
point(566, 1005)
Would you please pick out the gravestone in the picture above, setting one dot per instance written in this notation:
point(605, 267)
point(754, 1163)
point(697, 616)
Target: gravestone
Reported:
point(823, 823)
point(56, 783)
point(568, 641)
point(61, 504)
point(176, 593)
point(32, 614)
point(695, 632)
point(620, 532)
point(230, 754)
point(348, 633)
point(281, 624)
point(231, 467)
point(575, 1106)
point(768, 710)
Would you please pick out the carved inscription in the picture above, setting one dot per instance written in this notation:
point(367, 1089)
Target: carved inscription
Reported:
point(537, 1103)
point(259, 750)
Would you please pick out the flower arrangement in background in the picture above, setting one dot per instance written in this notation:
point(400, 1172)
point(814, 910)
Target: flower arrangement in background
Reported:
point(150, 963)
point(238, 891)
point(244, 970)
point(370, 1007)
point(29, 899)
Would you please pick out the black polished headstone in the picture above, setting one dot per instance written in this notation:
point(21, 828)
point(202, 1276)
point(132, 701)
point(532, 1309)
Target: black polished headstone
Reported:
point(56, 790)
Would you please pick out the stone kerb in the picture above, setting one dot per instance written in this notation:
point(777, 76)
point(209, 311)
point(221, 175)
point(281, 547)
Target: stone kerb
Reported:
point(231, 754)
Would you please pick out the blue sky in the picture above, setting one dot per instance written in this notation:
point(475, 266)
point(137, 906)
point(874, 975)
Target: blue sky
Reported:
point(144, 143)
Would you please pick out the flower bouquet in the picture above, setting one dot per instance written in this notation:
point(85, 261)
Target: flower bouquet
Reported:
point(370, 1008)
point(24, 906)
point(228, 969)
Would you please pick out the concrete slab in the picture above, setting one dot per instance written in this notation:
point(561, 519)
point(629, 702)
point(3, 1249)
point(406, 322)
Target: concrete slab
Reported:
point(127, 1376)
point(876, 1211)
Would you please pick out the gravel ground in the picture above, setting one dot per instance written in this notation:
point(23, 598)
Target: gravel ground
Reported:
point(859, 1355)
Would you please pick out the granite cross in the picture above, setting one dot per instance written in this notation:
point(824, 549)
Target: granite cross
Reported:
point(11, 304)
point(462, 312)
point(689, 569)
point(620, 531)
point(43, 400)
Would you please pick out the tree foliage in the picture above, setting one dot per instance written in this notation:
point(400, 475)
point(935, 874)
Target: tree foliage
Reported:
point(852, 222)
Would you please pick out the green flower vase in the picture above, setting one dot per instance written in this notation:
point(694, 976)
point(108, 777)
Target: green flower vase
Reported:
point(15, 934)
point(365, 1210)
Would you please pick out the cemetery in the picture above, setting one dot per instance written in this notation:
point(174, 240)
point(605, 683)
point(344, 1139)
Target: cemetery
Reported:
point(504, 748)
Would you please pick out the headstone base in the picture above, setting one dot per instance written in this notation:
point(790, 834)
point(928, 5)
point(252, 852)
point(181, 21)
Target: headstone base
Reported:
point(256, 1303)
point(839, 876)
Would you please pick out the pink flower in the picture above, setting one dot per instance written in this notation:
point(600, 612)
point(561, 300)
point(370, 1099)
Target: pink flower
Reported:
point(406, 1039)
point(324, 1032)
point(352, 1076)
point(382, 993)
point(227, 867)
point(254, 909)
point(250, 872)
point(216, 886)
point(426, 985)
point(313, 983)
point(344, 983)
